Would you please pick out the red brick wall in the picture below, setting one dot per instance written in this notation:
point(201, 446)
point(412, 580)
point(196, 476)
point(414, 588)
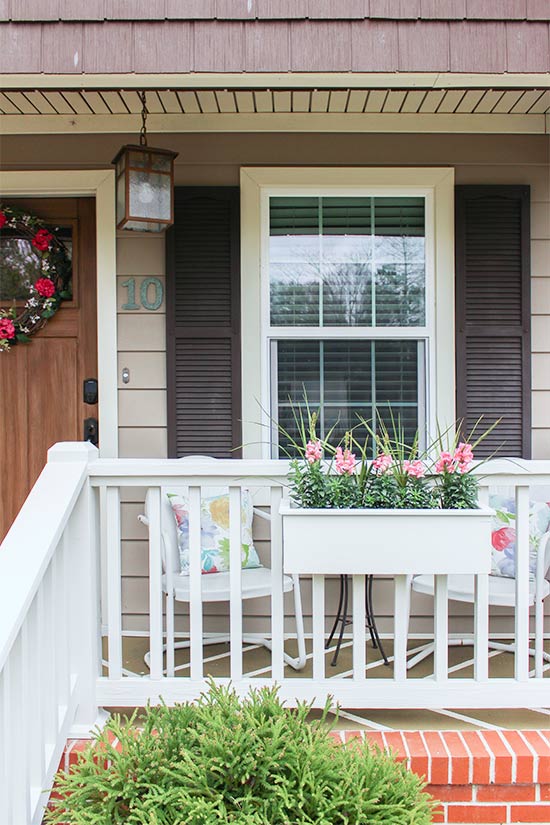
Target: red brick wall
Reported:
point(491, 777)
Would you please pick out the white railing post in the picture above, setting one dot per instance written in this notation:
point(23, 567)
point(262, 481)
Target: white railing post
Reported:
point(400, 627)
point(83, 590)
point(235, 584)
point(522, 583)
point(277, 595)
point(155, 583)
point(195, 583)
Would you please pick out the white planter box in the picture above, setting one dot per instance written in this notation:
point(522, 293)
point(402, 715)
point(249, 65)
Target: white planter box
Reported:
point(385, 542)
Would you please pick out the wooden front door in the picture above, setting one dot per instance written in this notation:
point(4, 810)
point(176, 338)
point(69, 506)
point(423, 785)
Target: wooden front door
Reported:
point(41, 383)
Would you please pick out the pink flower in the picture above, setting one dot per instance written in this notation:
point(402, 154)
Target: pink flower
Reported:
point(382, 463)
point(345, 461)
point(445, 463)
point(464, 455)
point(45, 287)
point(7, 328)
point(313, 451)
point(414, 468)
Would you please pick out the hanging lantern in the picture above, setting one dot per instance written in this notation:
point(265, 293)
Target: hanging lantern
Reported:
point(144, 184)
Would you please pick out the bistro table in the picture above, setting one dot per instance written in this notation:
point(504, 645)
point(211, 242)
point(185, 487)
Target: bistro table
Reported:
point(343, 620)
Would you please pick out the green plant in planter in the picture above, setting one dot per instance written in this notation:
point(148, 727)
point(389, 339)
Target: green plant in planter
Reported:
point(401, 476)
point(226, 760)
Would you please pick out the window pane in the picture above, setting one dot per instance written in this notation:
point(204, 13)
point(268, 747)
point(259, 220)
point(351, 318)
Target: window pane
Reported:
point(20, 264)
point(400, 295)
point(346, 229)
point(299, 371)
point(294, 295)
point(346, 380)
point(324, 251)
point(347, 295)
point(294, 230)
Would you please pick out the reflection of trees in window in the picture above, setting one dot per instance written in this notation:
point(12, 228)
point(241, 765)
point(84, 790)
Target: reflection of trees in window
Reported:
point(18, 263)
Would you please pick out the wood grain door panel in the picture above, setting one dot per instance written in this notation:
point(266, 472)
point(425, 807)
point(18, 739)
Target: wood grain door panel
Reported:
point(41, 399)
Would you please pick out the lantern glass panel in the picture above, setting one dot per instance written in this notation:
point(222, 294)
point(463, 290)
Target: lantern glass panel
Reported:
point(139, 159)
point(120, 197)
point(149, 195)
point(162, 163)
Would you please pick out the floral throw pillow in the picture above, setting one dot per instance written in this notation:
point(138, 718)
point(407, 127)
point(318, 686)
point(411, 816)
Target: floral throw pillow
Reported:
point(214, 530)
point(503, 533)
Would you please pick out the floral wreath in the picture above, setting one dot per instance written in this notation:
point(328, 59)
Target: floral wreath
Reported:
point(45, 292)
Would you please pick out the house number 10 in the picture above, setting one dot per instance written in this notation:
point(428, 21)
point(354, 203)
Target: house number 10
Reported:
point(158, 292)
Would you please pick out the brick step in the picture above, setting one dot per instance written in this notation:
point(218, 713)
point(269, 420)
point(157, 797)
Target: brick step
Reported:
point(493, 777)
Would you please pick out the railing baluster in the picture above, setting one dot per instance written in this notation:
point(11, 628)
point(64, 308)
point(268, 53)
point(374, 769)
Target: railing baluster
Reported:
point(114, 582)
point(195, 583)
point(318, 620)
point(359, 652)
point(15, 733)
point(277, 595)
point(155, 584)
point(400, 627)
point(36, 754)
point(61, 626)
point(522, 584)
point(235, 581)
point(481, 627)
point(441, 629)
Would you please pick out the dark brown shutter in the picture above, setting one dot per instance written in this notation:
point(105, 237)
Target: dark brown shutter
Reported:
point(493, 315)
point(203, 323)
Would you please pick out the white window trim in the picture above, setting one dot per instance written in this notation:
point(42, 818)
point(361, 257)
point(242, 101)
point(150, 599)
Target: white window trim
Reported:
point(257, 184)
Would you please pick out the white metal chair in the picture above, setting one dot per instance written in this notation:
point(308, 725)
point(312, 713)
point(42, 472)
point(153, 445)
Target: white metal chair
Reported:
point(502, 593)
point(256, 583)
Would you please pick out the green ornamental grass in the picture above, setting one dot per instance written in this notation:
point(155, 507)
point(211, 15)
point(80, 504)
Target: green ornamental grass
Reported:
point(229, 760)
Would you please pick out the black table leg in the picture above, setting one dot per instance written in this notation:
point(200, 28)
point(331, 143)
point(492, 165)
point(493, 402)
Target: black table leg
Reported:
point(371, 620)
point(343, 620)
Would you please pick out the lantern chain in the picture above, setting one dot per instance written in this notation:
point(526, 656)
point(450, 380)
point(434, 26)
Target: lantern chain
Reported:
point(144, 113)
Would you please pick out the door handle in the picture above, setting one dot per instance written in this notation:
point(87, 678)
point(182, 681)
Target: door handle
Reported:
point(91, 431)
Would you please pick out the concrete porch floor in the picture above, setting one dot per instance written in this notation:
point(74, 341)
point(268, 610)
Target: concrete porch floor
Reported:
point(256, 663)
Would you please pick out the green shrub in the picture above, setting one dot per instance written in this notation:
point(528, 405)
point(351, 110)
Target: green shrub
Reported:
point(225, 760)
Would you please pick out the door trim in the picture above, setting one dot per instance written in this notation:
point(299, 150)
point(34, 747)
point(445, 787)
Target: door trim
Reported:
point(100, 184)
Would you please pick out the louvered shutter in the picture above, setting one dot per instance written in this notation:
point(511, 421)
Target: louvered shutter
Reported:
point(203, 323)
point(493, 314)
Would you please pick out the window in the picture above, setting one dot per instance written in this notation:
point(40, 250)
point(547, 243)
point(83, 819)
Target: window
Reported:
point(347, 316)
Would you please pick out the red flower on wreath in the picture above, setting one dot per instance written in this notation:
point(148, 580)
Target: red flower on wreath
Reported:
point(7, 328)
point(45, 287)
point(3, 219)
point(42, 239)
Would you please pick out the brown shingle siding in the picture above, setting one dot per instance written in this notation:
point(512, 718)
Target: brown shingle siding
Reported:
point(538, 10)
point(264, 54)
point(395, 9)
point(423, 47)
point(374, 46)
point(281, 9)
point(135, 9)
point(478, 47)
point(81, 9)
point(320, 47)
point(32, 10)
point(235, 9)
point(496, 9)
point(4, 10)
point(163, 47)
point(108, 47)
point(190, 9)
point(62, 47)
point(20, 47)
point(219, 48)
point(328, 9)
point(443, 9)
point(528, 46)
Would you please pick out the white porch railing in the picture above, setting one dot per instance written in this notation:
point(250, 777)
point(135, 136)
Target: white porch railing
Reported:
point(67, 541)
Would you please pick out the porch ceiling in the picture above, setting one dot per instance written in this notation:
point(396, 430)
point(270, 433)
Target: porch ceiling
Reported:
point(467, 109)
